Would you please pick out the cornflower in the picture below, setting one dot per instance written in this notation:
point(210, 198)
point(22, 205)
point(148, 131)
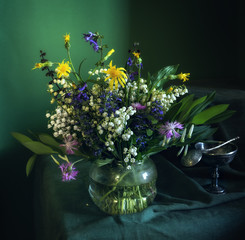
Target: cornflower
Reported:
point(69, 144)
point(68, 171)
point(168, 129)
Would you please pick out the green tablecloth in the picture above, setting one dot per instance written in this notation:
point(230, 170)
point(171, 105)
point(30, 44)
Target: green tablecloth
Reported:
point(181, 210)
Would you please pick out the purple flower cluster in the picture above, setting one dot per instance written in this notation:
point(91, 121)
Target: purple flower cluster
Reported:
point(157, 110)
point(109, 103)
point(80, 97)
point(141, 141)
point(92, 39)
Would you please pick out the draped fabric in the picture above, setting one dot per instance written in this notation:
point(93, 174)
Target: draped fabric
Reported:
point(182, 208)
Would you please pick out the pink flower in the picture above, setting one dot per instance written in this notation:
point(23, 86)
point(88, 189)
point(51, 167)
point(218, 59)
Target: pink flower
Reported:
point(138, 106)
point(168, 129)
point(69, 144)
point(68, 172)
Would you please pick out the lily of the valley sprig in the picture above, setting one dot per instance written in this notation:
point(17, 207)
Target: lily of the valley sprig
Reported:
point(115, 115)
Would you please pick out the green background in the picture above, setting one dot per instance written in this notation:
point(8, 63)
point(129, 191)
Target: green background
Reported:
point(206, 37)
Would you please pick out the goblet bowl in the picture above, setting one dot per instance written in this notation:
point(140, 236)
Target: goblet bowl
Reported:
point(216, 158)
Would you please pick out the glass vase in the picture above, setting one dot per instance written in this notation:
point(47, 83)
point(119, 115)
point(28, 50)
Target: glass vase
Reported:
point(117, 190)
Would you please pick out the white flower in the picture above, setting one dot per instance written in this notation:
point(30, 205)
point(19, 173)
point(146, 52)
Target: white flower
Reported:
point(101, 132)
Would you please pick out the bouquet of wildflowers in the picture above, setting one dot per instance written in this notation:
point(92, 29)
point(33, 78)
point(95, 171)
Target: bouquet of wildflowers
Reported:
point(115, 115)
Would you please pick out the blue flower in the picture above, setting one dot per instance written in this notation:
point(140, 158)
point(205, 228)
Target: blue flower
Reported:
point(92, 39)
point(89, 36)
point(132, 75)
point(129, 62)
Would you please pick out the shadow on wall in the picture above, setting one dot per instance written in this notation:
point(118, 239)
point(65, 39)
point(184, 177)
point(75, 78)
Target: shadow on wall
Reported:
point(205, 37)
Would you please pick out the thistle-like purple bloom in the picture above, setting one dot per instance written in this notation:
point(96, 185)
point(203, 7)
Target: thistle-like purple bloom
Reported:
point(138, 106)
point(69, 144)
point(68, 172)
point(168, 129)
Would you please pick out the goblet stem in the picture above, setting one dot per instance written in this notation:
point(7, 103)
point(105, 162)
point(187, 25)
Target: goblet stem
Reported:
point(214, 186)
point(215, 177)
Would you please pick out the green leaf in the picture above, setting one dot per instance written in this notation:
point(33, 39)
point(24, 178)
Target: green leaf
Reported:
point(149, 132)
point(161, 77)
point(185, 113)
point(201, 106)
point(38, 147)
point(49, 140)
point(30, 164)
point(21, 137)
point(186, 102)
point(102, 162)
point(209, 113)
point(221, 117)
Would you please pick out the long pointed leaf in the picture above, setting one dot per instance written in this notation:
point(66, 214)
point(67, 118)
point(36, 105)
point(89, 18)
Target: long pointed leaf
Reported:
point(209, 113)
point(30, 164)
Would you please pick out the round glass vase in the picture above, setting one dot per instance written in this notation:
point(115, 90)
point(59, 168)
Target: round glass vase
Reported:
point(118, 190)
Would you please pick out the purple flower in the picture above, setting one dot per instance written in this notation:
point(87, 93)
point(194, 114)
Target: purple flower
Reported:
point(89, 36)
point(68, 171)
point(168, 129)
point(82, 88)
point(69, 144)
point(132, 75)
point(92, 39)
point(129, 62)
point(138, 106)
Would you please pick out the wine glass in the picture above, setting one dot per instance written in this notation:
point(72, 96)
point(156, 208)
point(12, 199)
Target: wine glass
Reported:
point(216, 158)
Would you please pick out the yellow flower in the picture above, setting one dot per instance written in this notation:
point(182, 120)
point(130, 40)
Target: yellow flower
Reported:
point(115, 75)
point(170, 90)
point(63, 69)
point(37, 65)
point(183, 76)
point(67, 38)
point(136, 54)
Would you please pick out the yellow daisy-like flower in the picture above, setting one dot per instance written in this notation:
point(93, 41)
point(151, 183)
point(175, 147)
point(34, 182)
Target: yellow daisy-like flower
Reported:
point(67, 38)
point(63, 69)
point(37, 65)
point(115, 75)
point(183, 76)
point(136, 54)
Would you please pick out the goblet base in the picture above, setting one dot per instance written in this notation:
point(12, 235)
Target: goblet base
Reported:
point(214, 189)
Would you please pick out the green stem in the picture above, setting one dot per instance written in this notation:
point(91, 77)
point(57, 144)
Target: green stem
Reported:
point(72, 67)
point(114, 188)
point(78, 161)
point(138, 85)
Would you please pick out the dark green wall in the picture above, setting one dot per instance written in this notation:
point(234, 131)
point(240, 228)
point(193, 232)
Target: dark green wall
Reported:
point(26, 27)
point(205, 37)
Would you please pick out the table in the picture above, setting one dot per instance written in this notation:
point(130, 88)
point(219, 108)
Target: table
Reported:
point(181, 210)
